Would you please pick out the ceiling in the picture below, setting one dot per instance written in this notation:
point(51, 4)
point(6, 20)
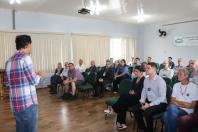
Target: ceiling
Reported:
point(123, 11)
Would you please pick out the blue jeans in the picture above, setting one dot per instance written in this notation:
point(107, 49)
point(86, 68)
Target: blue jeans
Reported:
point(26, 121)
point(170, 117)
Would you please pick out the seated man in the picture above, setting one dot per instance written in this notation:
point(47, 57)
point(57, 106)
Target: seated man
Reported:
point(92, 68)
point(121, 73)
point(80, 66)
point(183, 101)
point(64, 74)
point(56, 78)
point(166, 72)
point(180, 65)
point(104, 77)
point(171, 63)
point(75, 78)
point(153, 99)
point(187, 122)
point(193, 71)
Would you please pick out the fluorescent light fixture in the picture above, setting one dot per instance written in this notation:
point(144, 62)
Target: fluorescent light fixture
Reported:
point(15, 1)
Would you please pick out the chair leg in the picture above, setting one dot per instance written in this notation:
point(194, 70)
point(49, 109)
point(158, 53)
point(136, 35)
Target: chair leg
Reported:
point(155, 126)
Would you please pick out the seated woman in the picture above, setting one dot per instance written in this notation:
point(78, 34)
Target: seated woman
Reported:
point(183, 101)
point(187, 122)
point(121, 73)
point(56, 78)
point(131, 99)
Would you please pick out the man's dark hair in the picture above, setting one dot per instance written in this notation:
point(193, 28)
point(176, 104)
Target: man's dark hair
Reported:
point(137, 58)
point(22, 41)
point(71, 63)
point(153, 64)
point(140, 68)
point(170, 58)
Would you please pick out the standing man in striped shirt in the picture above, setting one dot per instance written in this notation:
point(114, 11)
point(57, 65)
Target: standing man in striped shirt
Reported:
point(21, 79)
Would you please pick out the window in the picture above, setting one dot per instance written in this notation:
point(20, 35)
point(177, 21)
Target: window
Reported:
point(115, 48)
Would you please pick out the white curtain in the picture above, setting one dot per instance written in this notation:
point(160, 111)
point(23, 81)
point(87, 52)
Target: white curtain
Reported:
point(90, 47)
point(47, 49)
point(50, 48)
point(123, 48)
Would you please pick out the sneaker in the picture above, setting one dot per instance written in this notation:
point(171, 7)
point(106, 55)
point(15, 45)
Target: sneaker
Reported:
point(122, 126)
point(108, 111)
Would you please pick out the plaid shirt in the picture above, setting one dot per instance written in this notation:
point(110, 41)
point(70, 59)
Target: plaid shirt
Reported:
point(21, 79)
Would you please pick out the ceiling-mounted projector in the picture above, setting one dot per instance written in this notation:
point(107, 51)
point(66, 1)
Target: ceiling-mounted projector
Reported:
point(84, 11)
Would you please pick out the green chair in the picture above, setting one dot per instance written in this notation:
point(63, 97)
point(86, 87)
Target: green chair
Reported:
point(124, 87)
point(194, 129)
point(157, 64)
point(130, 69)
point(168, 81)
point(159, 116)
point(161, 66)
point(89, 84)
point(174, 80)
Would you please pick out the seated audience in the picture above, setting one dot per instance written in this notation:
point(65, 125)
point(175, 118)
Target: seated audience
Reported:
point(171, 63)
point(122, 73)
point(193, 71)
point(131, 99)
point(166, 72)
point(153, 99)
point(187, 122)
point(180, 65)
point(104, 77)
point(183, 101)
point(74, 79)
point(56, 78)
point(80, 66)
point(92, 68)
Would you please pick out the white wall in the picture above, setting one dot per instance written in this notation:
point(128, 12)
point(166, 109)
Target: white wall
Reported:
point(160, 48)
point(30, 21)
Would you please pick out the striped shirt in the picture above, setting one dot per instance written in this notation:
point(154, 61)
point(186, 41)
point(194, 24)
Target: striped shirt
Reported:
point(21, 79)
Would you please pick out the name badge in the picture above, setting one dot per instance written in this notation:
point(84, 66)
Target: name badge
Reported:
point(104, 74)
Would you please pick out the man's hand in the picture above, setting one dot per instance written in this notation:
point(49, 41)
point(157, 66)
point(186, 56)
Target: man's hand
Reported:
point(40, 73)
point(145, 106)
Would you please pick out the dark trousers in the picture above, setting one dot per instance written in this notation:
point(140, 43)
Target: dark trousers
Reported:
point(186, 122)
point(100, 87)
point(148, 114)
point(122, 105)
point(55, 80)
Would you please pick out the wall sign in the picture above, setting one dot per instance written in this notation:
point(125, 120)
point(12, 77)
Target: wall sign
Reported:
point(186, 41)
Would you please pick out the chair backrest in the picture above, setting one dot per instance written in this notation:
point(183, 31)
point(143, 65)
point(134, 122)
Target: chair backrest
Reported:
point(92, 78)
point(161, 66)
point(124, 86)
point(174, 80)
point(168, 81)
point(169, 90)
point(130, 69)
point(86, 76)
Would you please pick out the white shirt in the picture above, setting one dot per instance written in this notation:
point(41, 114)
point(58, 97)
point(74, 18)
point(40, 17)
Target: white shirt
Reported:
point(81, 68)
point(65, 72)
point(166, 73)
point(186, 93)
point(154, 90)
